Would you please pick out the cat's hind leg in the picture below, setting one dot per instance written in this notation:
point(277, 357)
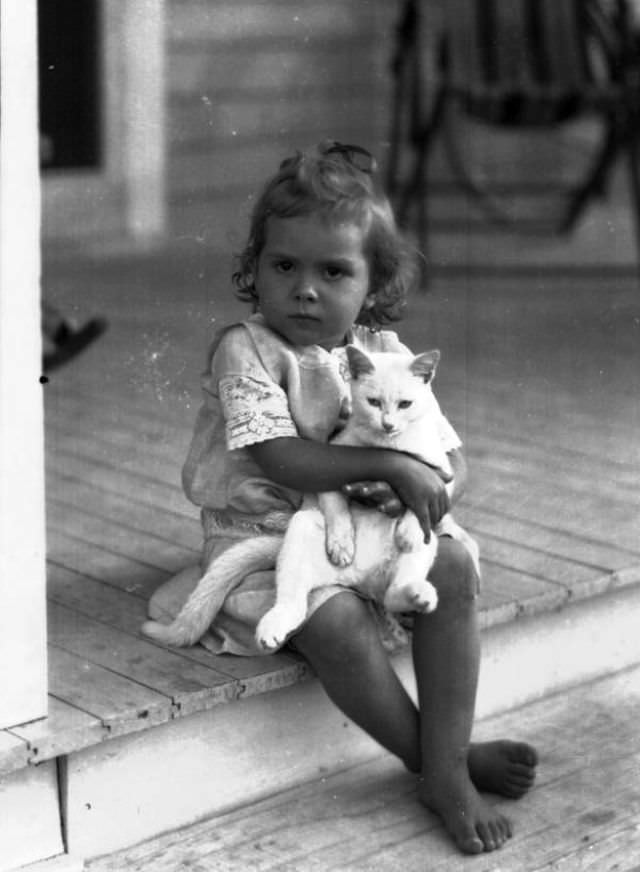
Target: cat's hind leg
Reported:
point(409, 589)
point(408, 534)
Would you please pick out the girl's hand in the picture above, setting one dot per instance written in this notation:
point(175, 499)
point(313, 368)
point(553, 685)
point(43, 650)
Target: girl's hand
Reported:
point(376, 494)
point(421, 489)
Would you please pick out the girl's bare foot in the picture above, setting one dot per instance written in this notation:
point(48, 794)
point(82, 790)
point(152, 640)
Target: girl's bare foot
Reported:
point(504, 767)
point(474, 825)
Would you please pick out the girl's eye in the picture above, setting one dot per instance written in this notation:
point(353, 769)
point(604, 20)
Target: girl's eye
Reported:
point(375, 402)
point(284, 266)
point(334, 272)
point(405, 404)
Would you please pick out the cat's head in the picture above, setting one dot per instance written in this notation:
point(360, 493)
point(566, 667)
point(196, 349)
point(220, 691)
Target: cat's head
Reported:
point(390, 390)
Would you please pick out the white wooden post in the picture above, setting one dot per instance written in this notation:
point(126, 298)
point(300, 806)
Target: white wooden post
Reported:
point(143, 109)
point(23, 686)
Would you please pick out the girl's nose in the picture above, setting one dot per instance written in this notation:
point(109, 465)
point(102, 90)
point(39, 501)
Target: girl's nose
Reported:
point(305, 291)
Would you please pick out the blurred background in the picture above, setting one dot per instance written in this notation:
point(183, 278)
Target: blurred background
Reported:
point(160, 119)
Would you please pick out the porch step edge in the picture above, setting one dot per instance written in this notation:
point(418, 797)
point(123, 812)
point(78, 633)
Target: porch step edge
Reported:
point(40, 741)
point(132, 788)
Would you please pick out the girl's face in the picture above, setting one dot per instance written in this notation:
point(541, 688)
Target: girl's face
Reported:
point(312, 279)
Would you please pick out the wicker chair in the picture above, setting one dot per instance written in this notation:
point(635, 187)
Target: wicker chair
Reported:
point(513, 65)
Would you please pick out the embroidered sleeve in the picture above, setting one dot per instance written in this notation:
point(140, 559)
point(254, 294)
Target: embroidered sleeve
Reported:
point(254, 411)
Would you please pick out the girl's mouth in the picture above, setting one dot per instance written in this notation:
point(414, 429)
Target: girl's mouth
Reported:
point(302, 318)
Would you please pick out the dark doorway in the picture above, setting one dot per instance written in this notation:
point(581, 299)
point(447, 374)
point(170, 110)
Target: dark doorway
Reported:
point(69, 80)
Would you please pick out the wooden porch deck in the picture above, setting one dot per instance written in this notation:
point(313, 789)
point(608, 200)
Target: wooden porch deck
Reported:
point(539, 376)
point(583, 813)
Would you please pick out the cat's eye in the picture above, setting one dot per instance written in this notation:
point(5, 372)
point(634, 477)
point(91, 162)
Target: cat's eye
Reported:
point(405, 404)
point(375, 402)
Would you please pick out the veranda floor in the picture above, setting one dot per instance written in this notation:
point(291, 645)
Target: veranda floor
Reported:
point(539, 376)
point(583, 814)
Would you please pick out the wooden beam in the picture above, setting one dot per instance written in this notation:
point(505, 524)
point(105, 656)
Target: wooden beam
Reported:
point(22, 539)
point(144, 118)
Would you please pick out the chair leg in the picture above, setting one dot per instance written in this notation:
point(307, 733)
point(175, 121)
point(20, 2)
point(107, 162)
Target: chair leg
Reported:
point(595, 182)
point(404, 58)
point(633, 157)
point(417, 185)
point(395, 137)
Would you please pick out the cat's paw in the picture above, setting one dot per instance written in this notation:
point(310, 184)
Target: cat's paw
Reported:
point(341, 553)
point(408, 535)
point(341, 544)
point(417, 596)
point(273, 629)
point(424, 598)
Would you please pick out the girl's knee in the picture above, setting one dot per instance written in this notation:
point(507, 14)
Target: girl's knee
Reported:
point(340, 631)
point(454, 575)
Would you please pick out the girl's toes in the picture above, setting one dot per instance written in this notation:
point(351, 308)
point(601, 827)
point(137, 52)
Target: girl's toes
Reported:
point(494, 834)
point(516, 786)
point(523, 753)
point(469, 841)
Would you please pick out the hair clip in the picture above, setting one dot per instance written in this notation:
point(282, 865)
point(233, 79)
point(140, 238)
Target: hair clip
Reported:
point(355, 155)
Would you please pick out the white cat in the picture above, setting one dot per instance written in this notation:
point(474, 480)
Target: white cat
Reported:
point(330, 541)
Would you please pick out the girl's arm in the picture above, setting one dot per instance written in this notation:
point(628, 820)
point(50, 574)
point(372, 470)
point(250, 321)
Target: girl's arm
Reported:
point(312, 467)
point(380, 495)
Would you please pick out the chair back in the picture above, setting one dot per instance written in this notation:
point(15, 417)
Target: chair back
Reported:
point(527, 62)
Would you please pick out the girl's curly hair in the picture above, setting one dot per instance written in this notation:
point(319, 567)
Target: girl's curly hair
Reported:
point(336, 182)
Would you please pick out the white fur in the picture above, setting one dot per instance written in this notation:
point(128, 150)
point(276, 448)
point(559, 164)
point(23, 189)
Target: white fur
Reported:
point(222, 576)
point(330, 541)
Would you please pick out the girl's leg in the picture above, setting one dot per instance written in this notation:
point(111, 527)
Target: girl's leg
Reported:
point(342, 644)
point(446, 649)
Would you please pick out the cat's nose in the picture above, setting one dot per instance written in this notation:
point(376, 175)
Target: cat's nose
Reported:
point(388, 426)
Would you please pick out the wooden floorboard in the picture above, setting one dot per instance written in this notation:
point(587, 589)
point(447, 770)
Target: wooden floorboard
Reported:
point(113, 503)
point(93, 562)
point(114, 700)
point(14, 751)
point(538, 377)
point(121, 537)
point(583, 813)
point(546, 537)
point(126, 610)
point(66, 729)
point(159, 669)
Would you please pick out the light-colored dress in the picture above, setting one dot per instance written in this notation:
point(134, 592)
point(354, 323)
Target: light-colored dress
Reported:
point(259, 387)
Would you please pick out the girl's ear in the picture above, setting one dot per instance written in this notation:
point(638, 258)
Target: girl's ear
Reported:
point(369, 301)
point(424, 365)
point(359, 362)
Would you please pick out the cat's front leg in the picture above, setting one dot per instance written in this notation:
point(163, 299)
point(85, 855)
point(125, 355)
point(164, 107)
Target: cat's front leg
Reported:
point(340, 536)
point(408, 535)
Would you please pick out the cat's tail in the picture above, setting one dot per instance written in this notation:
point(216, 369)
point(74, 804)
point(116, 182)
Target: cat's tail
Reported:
point(221, 577)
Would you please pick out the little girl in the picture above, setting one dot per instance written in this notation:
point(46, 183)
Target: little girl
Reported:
point(325, 266)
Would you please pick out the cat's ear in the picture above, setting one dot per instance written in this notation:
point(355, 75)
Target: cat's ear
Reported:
point(359, 362)
point(424, 365)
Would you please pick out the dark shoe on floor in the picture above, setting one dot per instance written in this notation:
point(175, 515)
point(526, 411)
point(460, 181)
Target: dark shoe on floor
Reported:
point(69, 342)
